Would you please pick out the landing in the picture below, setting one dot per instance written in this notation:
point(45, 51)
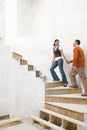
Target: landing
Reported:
point(26, 125)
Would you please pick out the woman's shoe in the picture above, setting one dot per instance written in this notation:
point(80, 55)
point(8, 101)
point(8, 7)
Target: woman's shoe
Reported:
point(65, 85)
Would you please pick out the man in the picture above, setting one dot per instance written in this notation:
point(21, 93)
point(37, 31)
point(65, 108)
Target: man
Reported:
point(78, 67)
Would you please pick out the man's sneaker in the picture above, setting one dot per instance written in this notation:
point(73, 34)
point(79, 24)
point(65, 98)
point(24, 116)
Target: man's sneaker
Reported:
point(84, 94)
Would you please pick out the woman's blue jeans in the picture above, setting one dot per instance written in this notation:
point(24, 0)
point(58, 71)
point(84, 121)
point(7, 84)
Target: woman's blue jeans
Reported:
point(53, 73)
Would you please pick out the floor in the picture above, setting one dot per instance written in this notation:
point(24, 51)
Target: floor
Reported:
point(25, 125)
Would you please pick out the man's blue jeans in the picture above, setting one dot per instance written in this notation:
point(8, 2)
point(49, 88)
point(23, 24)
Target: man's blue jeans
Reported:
point(53, 73)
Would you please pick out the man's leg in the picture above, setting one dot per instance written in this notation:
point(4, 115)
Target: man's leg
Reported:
point(81, 71)
point(73, 74)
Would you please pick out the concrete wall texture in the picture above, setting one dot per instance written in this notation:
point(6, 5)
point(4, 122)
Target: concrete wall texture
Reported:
point(29, 27)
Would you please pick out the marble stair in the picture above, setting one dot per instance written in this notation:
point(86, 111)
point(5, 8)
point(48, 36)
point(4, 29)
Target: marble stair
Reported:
point(30, 67)
point(53, 84)
point(64, 108)
point(4, 117)
point(76, 111)
point(9, 122)
point(67, 98)
point(62, 90)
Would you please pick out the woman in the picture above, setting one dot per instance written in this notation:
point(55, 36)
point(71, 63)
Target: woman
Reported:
point(58, 61)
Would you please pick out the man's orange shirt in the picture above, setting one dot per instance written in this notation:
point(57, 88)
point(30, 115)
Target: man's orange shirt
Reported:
point(78, 57)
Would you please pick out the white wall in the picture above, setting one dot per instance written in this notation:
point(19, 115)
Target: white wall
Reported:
point(41, 22)
point(28, 92)
point(31, 28)
point(4, 80)
point(21, 93)
point(2, 21)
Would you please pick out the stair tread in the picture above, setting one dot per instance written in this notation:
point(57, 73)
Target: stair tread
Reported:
point(69, 96)
point(54, 82)
point(17, 54)
point(9, 121)
point(64, 117)
point(64, 88)
point(74, 107)
point(46, 122)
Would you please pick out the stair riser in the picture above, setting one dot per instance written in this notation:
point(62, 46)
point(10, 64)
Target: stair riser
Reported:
point(4, 117)
point(66, 100)
point(37, 73)
point(30, 67)
point(23, 62)
point(70, 113)
point(62, 91)
point(54, 84)
point(58, 121)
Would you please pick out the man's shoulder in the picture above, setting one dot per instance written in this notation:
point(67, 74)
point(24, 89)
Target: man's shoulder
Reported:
point(78, 48)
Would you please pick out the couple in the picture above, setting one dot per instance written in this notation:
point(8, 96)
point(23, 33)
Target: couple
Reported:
point(78, 65)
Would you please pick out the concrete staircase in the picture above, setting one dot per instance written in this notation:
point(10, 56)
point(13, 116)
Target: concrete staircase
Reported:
point(61, 90)
point(9, 122)
point(30, 67)
point(67, 98)
point(4, 117)
point(65, 109)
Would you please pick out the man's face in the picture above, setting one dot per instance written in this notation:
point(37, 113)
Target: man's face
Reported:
point(74, 44)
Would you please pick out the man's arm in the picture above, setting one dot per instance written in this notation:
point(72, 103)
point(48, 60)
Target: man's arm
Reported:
point(75, 57)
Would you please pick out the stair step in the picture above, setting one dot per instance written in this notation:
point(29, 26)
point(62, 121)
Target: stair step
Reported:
point(45, 124)
point(53, 84)
point(9, 122)
point(37, 73)
point(64, 120)
point(4, 117)
point(76, 111)
point(30, 67)
point(16, 55)
point(23, 62)
point(67, 98)
point(62, 90)
point(43, 77)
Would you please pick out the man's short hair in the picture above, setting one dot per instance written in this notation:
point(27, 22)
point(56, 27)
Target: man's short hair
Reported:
point(78, 41)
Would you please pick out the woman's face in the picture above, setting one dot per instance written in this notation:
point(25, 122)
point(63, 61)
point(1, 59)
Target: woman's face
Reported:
point(57, 43)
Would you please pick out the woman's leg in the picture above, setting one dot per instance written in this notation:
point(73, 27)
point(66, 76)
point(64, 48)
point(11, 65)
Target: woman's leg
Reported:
point(60, 63)
point(53, 73)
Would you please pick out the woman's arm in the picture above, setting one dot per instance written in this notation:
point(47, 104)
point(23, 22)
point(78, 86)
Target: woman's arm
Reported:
point(62, 54)
point(53, 59)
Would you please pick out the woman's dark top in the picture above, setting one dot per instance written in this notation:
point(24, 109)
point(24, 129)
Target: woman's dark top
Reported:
point(56, 52)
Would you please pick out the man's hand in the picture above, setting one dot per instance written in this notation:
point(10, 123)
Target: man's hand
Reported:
point(67, 61)
point(73, 67)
